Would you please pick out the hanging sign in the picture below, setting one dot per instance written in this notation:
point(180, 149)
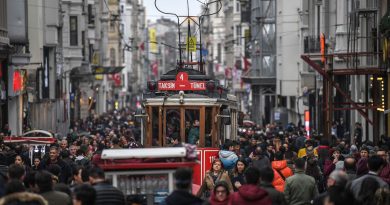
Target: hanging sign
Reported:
point(181, 83)
point(191, 44)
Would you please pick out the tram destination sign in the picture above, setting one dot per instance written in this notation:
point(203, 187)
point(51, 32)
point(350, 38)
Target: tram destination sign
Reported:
point(181, 83)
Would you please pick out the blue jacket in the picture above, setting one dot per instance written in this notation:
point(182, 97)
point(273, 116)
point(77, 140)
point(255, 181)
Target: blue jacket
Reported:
point(228, 159)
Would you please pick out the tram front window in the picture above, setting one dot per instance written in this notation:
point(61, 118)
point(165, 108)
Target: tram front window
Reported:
point(192, 125)
point(155, 121)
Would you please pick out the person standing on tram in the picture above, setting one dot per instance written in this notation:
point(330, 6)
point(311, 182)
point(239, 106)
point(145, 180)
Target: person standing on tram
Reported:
point(213, 176)
point(193, 134)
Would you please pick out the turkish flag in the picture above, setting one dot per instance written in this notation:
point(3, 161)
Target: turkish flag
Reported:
point(17, 84)
point(142, 46)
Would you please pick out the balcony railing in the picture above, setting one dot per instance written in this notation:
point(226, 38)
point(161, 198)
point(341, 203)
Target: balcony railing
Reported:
point(311, 44)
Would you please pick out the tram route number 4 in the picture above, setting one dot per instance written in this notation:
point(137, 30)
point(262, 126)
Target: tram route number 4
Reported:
point(181, 83)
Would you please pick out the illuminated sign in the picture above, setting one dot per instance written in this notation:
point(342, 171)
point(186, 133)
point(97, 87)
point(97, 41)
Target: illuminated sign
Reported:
point(181, 83)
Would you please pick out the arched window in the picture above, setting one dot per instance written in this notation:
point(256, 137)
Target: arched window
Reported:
point(112, 57)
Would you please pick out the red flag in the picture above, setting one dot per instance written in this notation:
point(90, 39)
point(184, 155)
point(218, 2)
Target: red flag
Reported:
point(247, 64)
point(142, 46)
point(155, 69)
point(117, 79)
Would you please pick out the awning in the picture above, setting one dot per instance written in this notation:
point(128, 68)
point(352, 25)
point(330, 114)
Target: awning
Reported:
point(106, 69)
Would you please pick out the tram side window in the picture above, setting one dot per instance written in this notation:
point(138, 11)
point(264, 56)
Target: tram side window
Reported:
point(208, 126)
point(192, 125)
point(172, 129)
point(155, 119)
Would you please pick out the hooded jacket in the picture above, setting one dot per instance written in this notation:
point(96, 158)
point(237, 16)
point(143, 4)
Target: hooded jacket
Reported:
point(250, 194)
point(25, 198)
point(280, 167)
point(179, 197)
point(213, 200)
point(228, 159)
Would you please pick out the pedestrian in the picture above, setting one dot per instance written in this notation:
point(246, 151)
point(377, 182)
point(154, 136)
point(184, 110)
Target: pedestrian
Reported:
point(237, 174)
point(282, 171)
point(227, 155)
point(105, 192)
point(374, 163)
point(308, 150)
point(350, 167)
point(54, 159)
point(14, 186)
point(182, 193)
point(220, 194)
point(337, 178)
point(385, 171)
point(84, 194)
point(300, 188)
point(251, 193)
point(266, 178)
point(214, 175)
point(44, 182)
point(36, 164)
point(16, 172)
point(23, 198)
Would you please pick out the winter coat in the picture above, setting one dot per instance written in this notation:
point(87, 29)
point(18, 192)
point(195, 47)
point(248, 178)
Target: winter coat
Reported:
point(213, 200)
point(300, 189)
point(385, 173)
point(179, 197)
point(250, 194)
point(228, 159)
point(25, 198)
point(108, 194)
point(302, 153)
point(66, 171)
point(280, 167)
point(277, 197)
point(361, 167)
point(193, 135)
point(208, 183)
point(237, 178)
point(56, 198)
point(357, 183)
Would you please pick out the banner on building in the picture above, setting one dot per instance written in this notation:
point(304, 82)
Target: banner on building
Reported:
point(45, 75)
point(153, 40)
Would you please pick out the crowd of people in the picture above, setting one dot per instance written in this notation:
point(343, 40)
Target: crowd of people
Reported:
point(294, 169)
point(273, 166)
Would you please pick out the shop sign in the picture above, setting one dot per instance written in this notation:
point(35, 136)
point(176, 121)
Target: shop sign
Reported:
point(181, 83)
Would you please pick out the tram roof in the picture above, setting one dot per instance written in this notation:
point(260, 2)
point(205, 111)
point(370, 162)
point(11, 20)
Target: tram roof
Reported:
point(190, 100)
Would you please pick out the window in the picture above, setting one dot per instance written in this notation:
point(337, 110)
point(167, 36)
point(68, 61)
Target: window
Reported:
point(219, 47)
point(83, 44)
point(122, 9)
point(238, 34)
point(237, 6)
point(73, 30)
point(91, 14)
point(112, 57)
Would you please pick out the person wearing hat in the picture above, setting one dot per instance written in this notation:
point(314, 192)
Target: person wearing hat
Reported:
point(307, 150)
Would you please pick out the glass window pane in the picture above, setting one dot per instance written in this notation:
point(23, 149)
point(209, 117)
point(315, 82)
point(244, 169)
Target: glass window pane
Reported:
point(208, 126)
point(192, 125)
point(155, 128)
point(172, 129)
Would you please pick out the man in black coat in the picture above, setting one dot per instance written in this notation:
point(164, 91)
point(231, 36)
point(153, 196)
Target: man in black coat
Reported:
point(105, 192)
point(65, 173)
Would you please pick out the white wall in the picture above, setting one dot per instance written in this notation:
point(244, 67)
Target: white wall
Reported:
point(289, 48)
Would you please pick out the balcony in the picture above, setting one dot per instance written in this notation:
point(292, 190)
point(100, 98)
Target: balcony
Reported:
point(311, 44)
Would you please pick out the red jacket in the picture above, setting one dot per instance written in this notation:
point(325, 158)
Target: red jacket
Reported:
point(278, 181)
point(214, 201)
point(385, 173)
point(249, 194)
